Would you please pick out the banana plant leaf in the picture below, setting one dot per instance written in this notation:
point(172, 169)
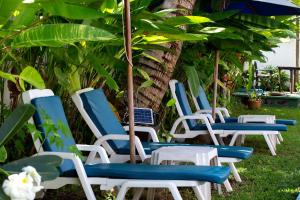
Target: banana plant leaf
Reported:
point(46, 166)
point(57, 35)
point(15, 122)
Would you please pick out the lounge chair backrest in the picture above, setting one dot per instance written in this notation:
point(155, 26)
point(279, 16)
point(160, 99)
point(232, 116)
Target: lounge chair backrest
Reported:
point(184, 103)
point(50, 109)
point(202, 99)
point(99, 110)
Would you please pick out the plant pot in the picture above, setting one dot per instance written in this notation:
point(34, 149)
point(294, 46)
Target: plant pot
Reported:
point(254, 104)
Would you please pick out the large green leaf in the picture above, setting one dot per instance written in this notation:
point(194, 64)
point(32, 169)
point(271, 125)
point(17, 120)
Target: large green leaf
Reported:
point(157, 39)
point(26, 14)
point(193, 79)
point(109, 6)
point(6, 9)
point(56, 35)
point(8, 76)
point(15, 121)
point(33, 77)
point(58, 8)
point(265, 22)
point(184, 20)
point(45, 165)
point(3, 154)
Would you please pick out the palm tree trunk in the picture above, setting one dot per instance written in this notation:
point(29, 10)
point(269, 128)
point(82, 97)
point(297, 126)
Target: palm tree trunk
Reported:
point(161, 73)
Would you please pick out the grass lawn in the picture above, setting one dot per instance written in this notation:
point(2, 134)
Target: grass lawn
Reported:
point(265, 176)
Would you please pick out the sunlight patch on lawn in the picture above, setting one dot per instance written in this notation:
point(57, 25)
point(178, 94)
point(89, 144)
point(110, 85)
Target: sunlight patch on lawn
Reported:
point(290, 190)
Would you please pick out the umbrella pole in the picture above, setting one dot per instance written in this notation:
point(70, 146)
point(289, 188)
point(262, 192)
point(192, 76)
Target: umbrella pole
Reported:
point(216, 72)
point(129, 79)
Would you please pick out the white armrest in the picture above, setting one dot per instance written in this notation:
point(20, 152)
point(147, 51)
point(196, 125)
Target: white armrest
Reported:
point(94, 149)
point(225, 111)
point(145, 129)
point(138, 145)
point(105, 138)
point(204, 119)
point(218, 112)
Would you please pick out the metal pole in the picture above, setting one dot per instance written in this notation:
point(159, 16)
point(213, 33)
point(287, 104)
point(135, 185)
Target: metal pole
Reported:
point(216, 72)
point(296, 74)
point(129, 79)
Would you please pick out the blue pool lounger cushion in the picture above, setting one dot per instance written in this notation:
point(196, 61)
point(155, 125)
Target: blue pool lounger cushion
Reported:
point(204, 105)
point(96, 105)
point(51, 108)
point(194, 125)
point(156, 172)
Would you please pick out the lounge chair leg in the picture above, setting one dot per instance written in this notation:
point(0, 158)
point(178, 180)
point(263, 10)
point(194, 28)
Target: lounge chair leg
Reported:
point(138, 193)
point(150, 194)
point(122, 192)
point(226, 183)
point(273, 139)
point(199, 193)
point(280, 137)
point(270, 145)
point(235, 172)
point(227, 186)
point(232, 142)
point(175, 192)
point(243, 139)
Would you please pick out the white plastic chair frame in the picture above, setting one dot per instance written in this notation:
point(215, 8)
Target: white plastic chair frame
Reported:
point(105, 183)
point(223, 113)
point(102, 140)
point(223, 133)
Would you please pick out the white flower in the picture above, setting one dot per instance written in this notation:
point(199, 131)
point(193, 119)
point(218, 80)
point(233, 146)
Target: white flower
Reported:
point(23, 186)
point(33, 173)
point(28, 1)
point(19, 187)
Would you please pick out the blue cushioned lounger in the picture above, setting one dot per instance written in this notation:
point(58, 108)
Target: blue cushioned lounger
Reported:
point(50, 108)
point(202, 123)
point(223, 151)
point(98, 109)
point(204, 105)
point(156, 172)
point(289, 122)
point(193, 125)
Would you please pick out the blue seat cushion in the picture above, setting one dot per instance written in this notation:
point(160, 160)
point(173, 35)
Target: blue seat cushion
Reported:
point(99, 110)
point(241, 127)
point(223, 151)
point(291, 122)
point(202, 99)
point(155, 172)
point(184, 103)
point(50, 110)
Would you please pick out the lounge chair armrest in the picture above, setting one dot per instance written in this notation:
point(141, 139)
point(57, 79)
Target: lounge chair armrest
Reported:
point(105, 138)
point(138, 145)
point(224, 111)
point(94, 148)
point(201, 117)
point(218, 112)
point(145, 129)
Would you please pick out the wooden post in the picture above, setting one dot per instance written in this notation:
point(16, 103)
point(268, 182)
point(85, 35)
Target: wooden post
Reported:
point(292, 80)
point(216, 72)
point(129, 79)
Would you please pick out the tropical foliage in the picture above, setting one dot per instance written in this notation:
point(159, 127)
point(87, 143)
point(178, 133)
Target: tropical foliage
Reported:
point(45, 165)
